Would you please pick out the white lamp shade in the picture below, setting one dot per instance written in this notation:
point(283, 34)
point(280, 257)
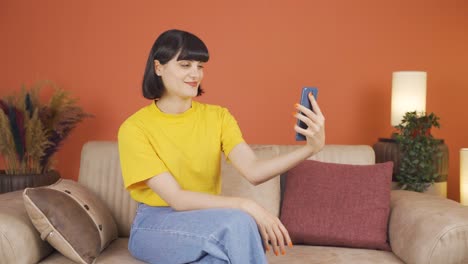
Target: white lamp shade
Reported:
point(408, 94)
point(464, 176)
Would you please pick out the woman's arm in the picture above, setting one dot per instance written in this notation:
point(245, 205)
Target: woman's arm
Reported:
point(258, 171)
point(169, 190)
point(270, 227)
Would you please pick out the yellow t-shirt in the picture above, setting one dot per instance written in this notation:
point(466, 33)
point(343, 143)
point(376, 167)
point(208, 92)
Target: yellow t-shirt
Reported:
point(187, 145)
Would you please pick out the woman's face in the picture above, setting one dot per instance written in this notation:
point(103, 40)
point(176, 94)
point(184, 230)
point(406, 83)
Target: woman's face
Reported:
point(180, 78)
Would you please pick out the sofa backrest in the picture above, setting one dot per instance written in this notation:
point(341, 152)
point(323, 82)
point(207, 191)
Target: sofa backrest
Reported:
point(100, 172)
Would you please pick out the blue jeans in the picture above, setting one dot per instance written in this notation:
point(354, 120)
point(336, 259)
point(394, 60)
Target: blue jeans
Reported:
point(164, 236)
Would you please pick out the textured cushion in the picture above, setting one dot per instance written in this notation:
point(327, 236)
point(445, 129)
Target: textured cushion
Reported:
point(71, 218)
point(266, 194)
point(100, 172)
point(338, 204)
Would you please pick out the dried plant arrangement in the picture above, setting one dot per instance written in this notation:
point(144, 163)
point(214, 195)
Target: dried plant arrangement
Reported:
point(31, 132)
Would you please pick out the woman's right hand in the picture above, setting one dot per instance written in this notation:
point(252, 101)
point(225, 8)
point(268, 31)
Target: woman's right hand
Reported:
point(270, 227)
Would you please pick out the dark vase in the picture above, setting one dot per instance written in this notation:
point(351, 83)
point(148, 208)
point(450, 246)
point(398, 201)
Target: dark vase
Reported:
point(388, 150)
point(15, 182)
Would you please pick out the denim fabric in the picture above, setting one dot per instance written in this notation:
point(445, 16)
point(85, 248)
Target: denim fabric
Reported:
point(164, 236)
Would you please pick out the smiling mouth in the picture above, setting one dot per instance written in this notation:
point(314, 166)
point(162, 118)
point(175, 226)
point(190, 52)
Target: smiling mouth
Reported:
point(193, 84)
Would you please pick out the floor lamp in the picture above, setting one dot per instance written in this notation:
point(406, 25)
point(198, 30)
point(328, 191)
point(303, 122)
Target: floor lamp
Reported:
point(464, 176)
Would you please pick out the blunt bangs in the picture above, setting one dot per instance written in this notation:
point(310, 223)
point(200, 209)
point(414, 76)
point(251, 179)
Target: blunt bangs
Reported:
point(193, 49)
point(173, 42)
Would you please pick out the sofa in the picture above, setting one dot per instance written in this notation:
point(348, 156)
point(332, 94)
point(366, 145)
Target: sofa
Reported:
point(422, 228)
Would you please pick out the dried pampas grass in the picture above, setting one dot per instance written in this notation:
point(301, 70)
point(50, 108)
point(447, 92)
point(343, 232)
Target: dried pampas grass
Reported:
point(32, 132)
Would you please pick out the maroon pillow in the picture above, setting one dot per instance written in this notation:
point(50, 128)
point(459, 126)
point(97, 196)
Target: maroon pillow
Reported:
point(333, 204)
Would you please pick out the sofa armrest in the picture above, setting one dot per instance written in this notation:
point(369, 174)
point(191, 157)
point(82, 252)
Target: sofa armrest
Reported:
point(19, 240)
point(428, 229)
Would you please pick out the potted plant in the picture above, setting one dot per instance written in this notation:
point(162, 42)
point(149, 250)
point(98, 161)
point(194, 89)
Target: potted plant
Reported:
point(418, 151)
point(31, 132)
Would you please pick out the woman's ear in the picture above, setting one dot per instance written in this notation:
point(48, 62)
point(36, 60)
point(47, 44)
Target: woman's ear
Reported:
point(157, 67)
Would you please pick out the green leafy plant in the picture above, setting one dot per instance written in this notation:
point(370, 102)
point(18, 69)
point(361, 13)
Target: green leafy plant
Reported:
point(418, 150)
point(31, 132)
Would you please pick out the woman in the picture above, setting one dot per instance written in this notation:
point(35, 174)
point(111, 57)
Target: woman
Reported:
point(170, 153)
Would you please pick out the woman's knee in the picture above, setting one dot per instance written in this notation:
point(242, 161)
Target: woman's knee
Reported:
point(241, 219)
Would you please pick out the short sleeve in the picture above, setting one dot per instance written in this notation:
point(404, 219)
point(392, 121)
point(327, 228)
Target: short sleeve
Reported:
point(138, 160)
point(231, 134)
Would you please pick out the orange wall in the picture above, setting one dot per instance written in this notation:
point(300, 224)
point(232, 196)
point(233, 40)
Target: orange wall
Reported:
point(262, 53)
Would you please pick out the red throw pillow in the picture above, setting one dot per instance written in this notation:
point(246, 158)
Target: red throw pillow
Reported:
point(333, 204)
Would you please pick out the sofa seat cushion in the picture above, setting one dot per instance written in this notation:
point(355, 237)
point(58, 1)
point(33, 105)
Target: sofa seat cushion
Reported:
point(116, 252)
point(301, 254)
point(19, 240)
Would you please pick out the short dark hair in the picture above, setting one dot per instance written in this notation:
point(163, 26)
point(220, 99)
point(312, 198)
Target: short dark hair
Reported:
point(166, 46)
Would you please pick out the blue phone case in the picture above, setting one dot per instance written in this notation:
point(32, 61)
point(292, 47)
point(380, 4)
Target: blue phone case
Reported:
point(305, 102)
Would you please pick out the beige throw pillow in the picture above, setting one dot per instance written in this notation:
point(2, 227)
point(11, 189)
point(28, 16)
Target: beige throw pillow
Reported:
point(71, 218)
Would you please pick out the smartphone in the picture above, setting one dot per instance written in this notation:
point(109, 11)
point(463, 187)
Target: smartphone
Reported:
point(305, 102)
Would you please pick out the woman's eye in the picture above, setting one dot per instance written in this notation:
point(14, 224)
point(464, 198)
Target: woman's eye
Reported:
point(201, 66)
point(184, 63)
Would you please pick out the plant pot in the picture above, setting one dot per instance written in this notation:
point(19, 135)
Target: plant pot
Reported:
point(388, 150)
point(15, 182)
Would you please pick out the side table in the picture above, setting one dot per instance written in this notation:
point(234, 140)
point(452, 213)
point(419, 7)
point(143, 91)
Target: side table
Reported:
point(386, 149)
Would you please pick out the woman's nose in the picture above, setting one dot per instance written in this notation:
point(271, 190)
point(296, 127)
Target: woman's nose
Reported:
point(195, 72)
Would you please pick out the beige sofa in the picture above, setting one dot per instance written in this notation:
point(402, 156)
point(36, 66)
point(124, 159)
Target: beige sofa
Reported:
point(422, 228)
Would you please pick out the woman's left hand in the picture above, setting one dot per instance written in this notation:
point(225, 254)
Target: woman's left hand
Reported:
point(315, 121)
